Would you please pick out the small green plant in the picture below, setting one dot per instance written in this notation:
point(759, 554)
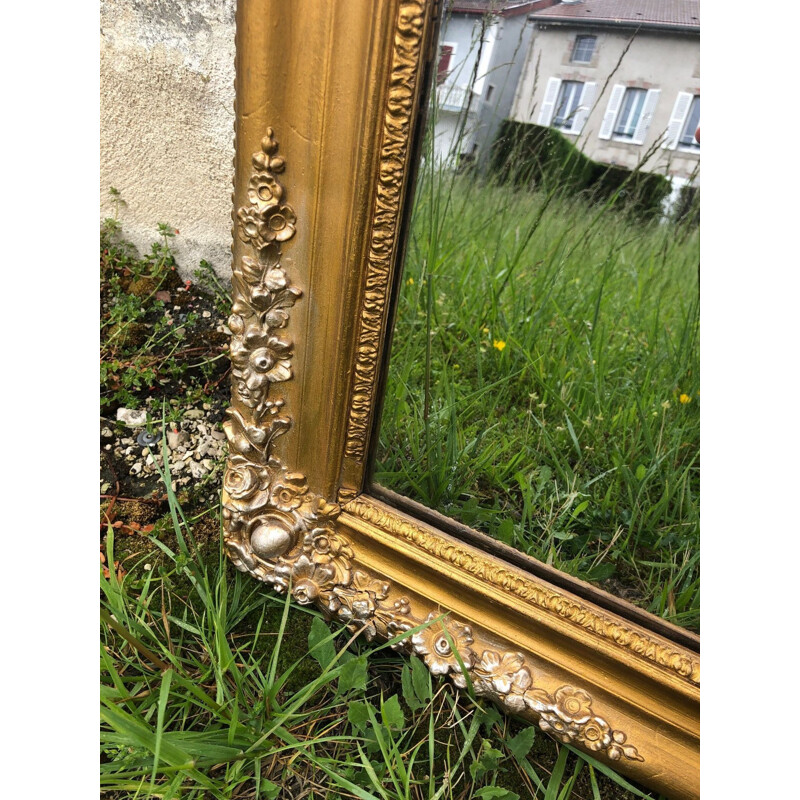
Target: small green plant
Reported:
point(148, 348)
point(111, 229)
point(207, 279)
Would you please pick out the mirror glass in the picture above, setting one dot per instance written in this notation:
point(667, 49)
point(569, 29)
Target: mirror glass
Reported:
point(543, 383)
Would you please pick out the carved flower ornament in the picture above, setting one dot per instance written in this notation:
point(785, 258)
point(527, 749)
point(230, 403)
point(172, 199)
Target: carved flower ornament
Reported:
point(259, 225)
point(284, 534)
point(264, 191)
point(434, 645)
point(504, 677)
point(258, 358)
point(246, 483)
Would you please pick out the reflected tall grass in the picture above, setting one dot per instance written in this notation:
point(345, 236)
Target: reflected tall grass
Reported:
point(544, 386)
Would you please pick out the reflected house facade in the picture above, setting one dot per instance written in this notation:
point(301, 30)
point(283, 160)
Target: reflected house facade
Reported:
point(621, 80)
point(482, 47)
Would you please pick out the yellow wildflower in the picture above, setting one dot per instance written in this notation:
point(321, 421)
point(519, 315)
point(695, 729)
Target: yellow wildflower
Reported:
point(684, 398)
point(486, 330)
point(499, 344)
point(410, 281)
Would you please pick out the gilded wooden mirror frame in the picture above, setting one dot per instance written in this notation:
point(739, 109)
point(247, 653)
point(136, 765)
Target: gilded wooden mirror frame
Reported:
point(328, 114)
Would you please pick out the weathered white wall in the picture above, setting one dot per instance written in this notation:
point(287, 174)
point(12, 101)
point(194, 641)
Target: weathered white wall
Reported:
point(166, 137)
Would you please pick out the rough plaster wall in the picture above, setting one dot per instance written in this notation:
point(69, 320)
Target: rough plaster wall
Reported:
point(166, 129)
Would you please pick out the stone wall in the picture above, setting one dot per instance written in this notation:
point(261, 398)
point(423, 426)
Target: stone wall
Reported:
point(166, 123)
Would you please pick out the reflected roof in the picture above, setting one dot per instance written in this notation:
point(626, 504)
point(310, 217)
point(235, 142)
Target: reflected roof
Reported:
point(649, 13)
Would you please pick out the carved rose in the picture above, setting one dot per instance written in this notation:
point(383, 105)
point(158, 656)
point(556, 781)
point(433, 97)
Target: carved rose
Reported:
point(358, 601)
point(258, 359)
point(595, 734)
point(503, 676)
point(308, 579)
point(323, 546)
point(277, 224)
point(432, 644)
point(250, 222)
point(573, 705)
point(551, 723)
point(246, 484)
point(259, 225)
point(287, 493)
point(264, 189)
point(269, 363)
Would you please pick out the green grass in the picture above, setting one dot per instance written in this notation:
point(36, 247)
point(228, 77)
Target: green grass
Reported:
point(212, 686)
point(544, 386)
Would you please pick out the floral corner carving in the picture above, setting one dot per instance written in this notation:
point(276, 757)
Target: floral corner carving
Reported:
point(504, 677)
point(285, 535)
point(274, 527)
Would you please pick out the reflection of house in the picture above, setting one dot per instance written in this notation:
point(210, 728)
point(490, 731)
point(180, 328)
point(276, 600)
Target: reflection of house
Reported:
point(482, 48)
point(620, 78)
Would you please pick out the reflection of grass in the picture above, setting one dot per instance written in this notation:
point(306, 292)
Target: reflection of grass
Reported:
point(544, 384)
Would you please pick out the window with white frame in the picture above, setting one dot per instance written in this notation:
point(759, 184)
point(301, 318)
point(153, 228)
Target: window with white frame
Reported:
point(683, 122)
point(583, 49)
point(629, 113)
point(566, 104)
point(569, 98)
point(687, 139)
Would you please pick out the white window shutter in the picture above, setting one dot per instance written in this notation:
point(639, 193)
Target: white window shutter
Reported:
point(610, 117)
point(646, 117)
point(549, 102)
point(584, 107)
point(677, 119)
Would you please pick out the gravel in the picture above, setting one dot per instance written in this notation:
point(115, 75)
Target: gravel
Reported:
point(196, 446)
